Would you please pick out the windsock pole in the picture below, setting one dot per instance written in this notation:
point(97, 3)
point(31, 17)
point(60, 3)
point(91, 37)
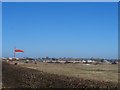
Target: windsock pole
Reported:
point(14, 52)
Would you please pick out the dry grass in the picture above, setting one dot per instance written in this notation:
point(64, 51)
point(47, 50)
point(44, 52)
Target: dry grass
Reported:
point(15, 76)
point(95, 72)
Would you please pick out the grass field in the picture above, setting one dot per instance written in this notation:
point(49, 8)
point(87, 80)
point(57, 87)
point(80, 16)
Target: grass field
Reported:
point(15, 76)
point(105, 72)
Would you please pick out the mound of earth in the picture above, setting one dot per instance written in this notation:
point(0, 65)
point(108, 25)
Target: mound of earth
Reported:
point(14, 76)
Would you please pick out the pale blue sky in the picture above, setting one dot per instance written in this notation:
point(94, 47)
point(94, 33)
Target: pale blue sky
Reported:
point(1, 29)
point(61, 29)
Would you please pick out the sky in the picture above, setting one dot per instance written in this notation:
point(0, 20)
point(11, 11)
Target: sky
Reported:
point(0, 29)
point(78, 30)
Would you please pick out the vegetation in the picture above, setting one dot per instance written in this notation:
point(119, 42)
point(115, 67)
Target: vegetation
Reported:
point(15, 76)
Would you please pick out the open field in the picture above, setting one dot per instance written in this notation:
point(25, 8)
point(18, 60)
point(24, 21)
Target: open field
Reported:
point(15, 76)
point(105, 72)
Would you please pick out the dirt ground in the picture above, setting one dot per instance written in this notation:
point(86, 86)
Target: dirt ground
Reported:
point(14, 76)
